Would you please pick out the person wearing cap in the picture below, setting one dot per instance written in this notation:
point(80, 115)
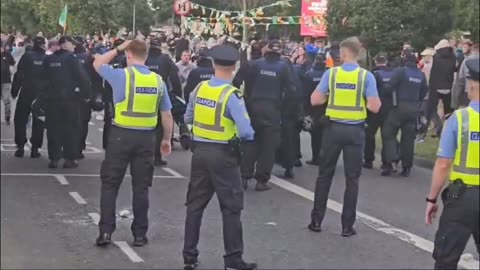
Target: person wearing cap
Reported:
point(383, 74)
point(203, 72)
point(163, 65)
point(7, 61)
point(269, 94)
point(350, 91)
point(408, 87)
point(138, 95)
point(460, 88)
point(119, 61)
point(217, 112)
point(29, 84)
point(458, 161)
point(68, 86)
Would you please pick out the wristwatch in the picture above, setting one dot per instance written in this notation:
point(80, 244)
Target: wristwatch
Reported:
point(431, 200)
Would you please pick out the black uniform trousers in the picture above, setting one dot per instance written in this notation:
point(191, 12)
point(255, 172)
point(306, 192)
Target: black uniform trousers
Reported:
point(350, 140)
point(134, 148)
point(215, 169)
point(404, 118)
point(459, 220)
point(287, 151)
point(259, 157)
point(316, 142)
point(20, 120)
point(63, 125)
point(107, 122)
point(85, 116)
point(374, 121)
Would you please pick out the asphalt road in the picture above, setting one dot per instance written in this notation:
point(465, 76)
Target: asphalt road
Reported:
point(48, 219)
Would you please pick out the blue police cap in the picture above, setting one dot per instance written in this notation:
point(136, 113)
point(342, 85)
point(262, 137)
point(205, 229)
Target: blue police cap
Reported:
point(473, 66)
point(224, 55)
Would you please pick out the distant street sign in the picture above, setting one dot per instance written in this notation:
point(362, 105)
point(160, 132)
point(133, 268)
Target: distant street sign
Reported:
point(182, 7)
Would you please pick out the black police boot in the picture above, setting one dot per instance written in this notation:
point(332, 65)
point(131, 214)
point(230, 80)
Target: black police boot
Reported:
point(347, 232)
point(190, 264)
point(261, 186)
point(104, 239)
point(53, 164)
point(20, 152)
point(140, 241)
point(315, 226)
point(241, 266)
point(70, 164)
point(160, 162)
point(185, 142)
point(387, 170)
point(405, 172)
point(34, 153)
point(288, 174)
point(367, 164)
point(312, 162)
point(298, 163)
point(245, 183)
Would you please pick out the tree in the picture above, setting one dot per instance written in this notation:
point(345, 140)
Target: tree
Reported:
point(466, 17)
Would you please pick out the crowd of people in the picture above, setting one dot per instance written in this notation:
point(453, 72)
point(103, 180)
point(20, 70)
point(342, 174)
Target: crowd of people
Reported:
point(333, 90)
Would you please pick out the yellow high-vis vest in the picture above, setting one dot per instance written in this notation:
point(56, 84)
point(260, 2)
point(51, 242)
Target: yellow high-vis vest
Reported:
point(345, 100)
point(210, 104)
point(466, 165)
point(142, 97)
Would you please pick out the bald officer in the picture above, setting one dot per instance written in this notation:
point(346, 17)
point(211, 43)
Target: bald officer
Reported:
point(458, 161)
point(220, 120)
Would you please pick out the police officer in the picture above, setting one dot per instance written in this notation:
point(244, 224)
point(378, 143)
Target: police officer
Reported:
point(163, 65)
point(311, 81)
point(383, 73)
point(269, 87)
point(408, 86)
point(138, 94)
point(458, 160)
point(203, 72)
point(119, 61)
point(86, 60)
point(351, 91)
point(218, 115)
point(255, 54)
point(69, 84)
point(29, 84)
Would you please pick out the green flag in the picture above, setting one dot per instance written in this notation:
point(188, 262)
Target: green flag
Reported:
point(62, 20)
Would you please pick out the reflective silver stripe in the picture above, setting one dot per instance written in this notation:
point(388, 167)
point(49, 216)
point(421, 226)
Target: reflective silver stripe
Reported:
point(217, 127)
point(333, 80)
point(358, 102)
point(462, 167)
point(131, 97)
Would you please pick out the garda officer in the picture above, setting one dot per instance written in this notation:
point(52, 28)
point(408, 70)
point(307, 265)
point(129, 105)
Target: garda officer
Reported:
point(255, 54)
point(219, 118)
point(351, 91)
point(138, 94)
point(408, 86)
point(204, 71)
point(163, 65)
point(86, 106)
point(69, 84)
point(119, 61)
point(269, 86)
point(30, 81)
point(458, 155)
point(311, 81)
point(383, 73)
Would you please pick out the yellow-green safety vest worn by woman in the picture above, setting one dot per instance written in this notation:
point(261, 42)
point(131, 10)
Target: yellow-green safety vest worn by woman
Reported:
point(209, 121)
point(142, 97)
point(346, 100)
point(466, 164)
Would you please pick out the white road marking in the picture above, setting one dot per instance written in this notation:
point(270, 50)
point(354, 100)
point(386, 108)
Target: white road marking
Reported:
point(77, 175)
point(77, 197)
point(91, 123)
point(173, 173)
point(61, 179)
point(95, 217)
point(101, 129)
point(132, 255)
point(373, 223)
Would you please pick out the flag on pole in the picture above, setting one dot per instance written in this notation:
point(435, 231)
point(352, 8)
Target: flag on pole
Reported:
point(62, 20)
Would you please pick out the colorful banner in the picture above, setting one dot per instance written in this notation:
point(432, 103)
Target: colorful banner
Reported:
point(313, 18)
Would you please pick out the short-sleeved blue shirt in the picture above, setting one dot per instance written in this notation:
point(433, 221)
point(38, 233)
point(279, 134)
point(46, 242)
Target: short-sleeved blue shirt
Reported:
point(370, 86)
point(448, 141)
point(116, 78)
